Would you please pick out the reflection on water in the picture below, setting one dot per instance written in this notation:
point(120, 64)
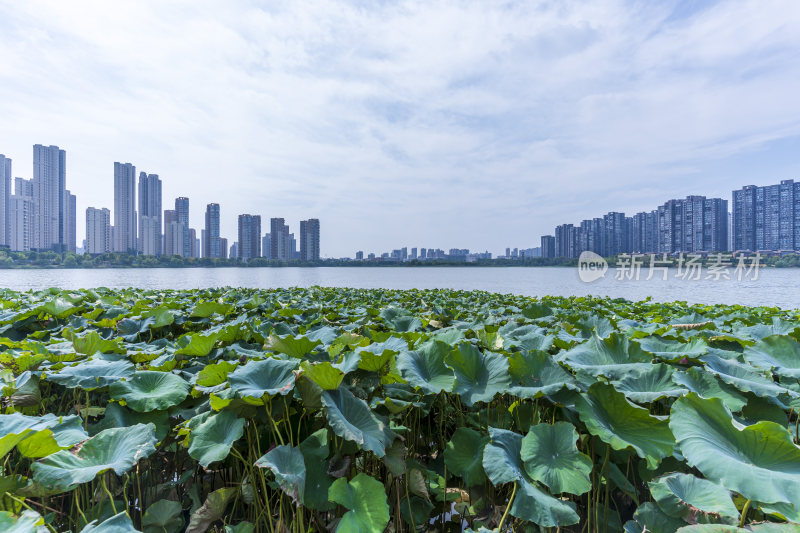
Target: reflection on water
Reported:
point(774, 287)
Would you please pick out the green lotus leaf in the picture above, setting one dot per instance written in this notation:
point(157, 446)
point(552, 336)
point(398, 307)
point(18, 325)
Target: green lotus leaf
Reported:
point(679, 494)
point(376, 356)
point(613, 357)
point(760, 462)
point(269, 376)
point(117, 449)
point(768, 527)
point(707, 385)
point(119, 416)
point(463, 456)
point(163, 516)
point(241, 527)
point(365, 499)
point(288, 466)
point(162, 316)
point(39, 436)
point(59, 308)
point(119, 523)
point(149, 390)
point(651, 519)
point(295, 347)
point(712, 528)
point(416, 510)
point(535, 374)
point(212, 510)
point(552, 458)
point(424, 368)
point(616, 421)
point(352, 419)
point(212, 440)
point(479, 376)
point(92, 374)
point(197, 344)
point(315, 458)
point(654, 383)
point(674, 350)
point(207, 309)
point(744, 377)
point(92, 343)
point(28, 522)
point(537, 310)
point(214, 374)
point(777, 353)
point(503, 464)
point(324, 374)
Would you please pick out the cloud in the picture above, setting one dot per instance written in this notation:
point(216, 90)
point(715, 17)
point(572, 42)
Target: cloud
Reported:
point(463, 124)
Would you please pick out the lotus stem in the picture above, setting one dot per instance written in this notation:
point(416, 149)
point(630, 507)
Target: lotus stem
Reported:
point(745, 509)
point(508, 508)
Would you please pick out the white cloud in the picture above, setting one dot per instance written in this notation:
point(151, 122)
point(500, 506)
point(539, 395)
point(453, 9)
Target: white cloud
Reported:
point(469, 124)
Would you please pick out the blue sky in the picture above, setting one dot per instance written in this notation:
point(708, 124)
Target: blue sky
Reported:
point(475, 125)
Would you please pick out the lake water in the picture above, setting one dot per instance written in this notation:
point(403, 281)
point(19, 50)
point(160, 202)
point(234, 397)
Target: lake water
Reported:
point(774, 287)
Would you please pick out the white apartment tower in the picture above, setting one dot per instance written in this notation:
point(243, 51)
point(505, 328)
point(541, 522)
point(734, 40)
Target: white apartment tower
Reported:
point(124, 208)
point(49, 186)
point(149, 214)
point(98, 230)
point(5, 200)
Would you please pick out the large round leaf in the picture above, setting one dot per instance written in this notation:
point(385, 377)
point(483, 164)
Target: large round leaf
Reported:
point(551, 457)
point(163, 516)
point(479, 376)
point(503, 464)
point(744, 377)
point(464, 455)
point(707, 385)
point(760, 462)
point(116, 449)
point(610, 416)
point(535, 373)
point(352, 419)
point(149, 390)
point(425, 368)
point(286, 463)
point(778, 353)
point(679, 494)
point(269, 376)
point(649, 385)
point(212, 439)
point(92, 374)
point(365, 497)
point(613, 357)
point(670, 350)
point(39, 436)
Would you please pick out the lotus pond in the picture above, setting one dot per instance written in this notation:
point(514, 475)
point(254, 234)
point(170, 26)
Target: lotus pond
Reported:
point(297, 410)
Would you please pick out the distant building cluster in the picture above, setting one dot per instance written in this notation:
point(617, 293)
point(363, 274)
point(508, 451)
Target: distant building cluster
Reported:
point(402, 255)
point(39, 214)
point(695, 224)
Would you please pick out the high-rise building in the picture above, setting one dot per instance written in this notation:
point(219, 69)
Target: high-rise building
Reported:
point(280, 240)
point(548, 246)
point(223, 247)
point(767, 218)
point(566, 241)
point(234, 253)
point(98, 230)
point(49, 184)
point(211, 238)
point(70, 215)
point(5, 200)
point(194, 251)
point(124, 208)
point(173, 234)
point(150, 214)
point(182, 212)
point(693, 224)
point(249, 243)
point(359, 255)
point(309, 240)
point(22, 216)
point(266, 246)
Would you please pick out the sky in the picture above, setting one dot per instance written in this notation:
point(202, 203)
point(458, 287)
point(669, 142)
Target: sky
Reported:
point(477, 125)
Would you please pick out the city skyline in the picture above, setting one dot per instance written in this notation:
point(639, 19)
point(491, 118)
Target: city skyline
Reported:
point(525, 114)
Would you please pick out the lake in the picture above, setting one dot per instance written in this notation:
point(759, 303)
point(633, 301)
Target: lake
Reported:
point(774, 287)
